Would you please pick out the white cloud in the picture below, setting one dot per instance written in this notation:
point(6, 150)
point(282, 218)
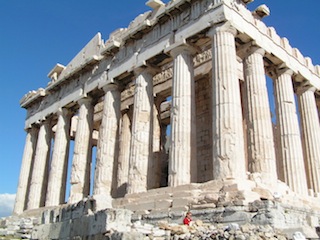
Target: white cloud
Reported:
point(6, 204)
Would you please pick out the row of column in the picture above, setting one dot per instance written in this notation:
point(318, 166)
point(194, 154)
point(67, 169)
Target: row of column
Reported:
point(298, 166)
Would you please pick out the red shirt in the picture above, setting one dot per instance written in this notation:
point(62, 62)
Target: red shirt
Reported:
point(186, 221)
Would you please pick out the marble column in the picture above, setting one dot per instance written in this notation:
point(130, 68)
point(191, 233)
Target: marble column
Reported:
point(155, 165)
point(39, 179)
point(318, 105)
point(291, 162)
point(141, 137)
point(163, 156)
point(26, 170)
point(59, 163)
point(228, 142)
point(182, 160)
point(108, 148)
point(261, 151)
point(311, 138)
point(82, 155)
point(124, 154)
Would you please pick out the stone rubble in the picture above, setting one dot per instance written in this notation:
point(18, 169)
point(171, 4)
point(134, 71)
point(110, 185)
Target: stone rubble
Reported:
point(21, 228)
point(260, 219)
point(199, 230)
point(17, 228)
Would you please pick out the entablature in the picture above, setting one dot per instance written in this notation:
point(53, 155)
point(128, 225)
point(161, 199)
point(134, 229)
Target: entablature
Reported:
point(145, 41)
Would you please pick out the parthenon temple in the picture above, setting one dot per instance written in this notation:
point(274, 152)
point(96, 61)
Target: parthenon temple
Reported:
point(193, 94)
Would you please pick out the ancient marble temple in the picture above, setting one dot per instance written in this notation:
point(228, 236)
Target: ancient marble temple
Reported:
point(181, 97)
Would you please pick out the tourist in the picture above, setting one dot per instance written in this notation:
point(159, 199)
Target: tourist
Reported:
point(187, 220)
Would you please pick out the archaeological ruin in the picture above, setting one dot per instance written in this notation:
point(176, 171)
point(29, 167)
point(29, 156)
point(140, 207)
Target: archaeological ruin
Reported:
point(173, 114)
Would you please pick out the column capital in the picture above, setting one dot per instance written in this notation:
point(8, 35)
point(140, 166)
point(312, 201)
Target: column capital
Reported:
point(284, 70)
point(184, 48)
point(223, 27)
point(84, 100)
point(145, 70)
point(33, 127)
point(305, 88)
point(275, 71)
point(180, 47)
point(63, 111)
point(110, 87)
point(45, 120)
point(250, 48)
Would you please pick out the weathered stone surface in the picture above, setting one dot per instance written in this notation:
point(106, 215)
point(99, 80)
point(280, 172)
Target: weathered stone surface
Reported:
point(83, 223)
point(39, 177)
point(141, 145)
point(124, 154)
point(202, 92)
point(16, 228)
point(261, 151)
point(80, 172)
point(291, 166)
point(108, 147)
point(265, 219)
point(29, 150)
point(182, 163)
point(59, 164)
point(200, 230)
point(310, 138)
point(228, 142)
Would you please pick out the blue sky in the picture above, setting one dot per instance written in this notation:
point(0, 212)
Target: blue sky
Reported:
point(37, 34)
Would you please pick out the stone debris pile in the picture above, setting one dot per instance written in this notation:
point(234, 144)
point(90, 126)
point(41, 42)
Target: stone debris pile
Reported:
point(21, 228)
point(17, 228)
point(199, 230)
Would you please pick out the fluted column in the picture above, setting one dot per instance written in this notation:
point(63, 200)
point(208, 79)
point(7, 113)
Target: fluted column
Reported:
point(26, 170)
point(318, 105)
point(155, 166)
point(228, 142)
point(108, 147)
point(124, 154)
point(82, 155)
point(311, 138)
point(261, 151)
point(163, 178)
point(291, 163)
point(182, 160)
point(39, 179)
point(141, 143)
point(59, 163)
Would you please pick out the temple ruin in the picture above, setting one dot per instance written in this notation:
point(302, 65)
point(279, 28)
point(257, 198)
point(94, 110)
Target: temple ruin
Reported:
point(177, 106)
